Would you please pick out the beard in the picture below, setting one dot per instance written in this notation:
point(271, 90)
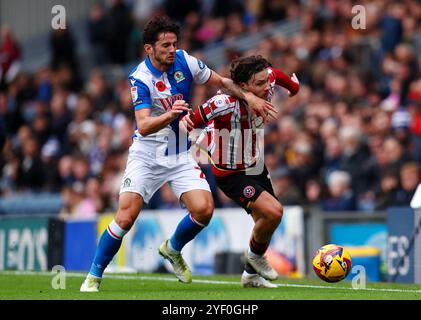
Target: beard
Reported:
point(163, 61)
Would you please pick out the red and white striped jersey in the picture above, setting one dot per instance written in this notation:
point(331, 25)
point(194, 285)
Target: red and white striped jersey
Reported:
point(233, 136)
point(232, 133)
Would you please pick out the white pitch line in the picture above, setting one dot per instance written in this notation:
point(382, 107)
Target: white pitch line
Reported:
point(154, 278)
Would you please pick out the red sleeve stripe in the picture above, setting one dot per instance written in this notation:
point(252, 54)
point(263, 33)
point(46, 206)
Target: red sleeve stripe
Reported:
point(198, 117)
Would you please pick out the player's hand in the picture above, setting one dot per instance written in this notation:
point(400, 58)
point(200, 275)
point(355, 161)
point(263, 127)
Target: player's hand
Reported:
point(263, 108)
point(189, 121)
point(178, 108)
point(186, 122)
point(295, 79)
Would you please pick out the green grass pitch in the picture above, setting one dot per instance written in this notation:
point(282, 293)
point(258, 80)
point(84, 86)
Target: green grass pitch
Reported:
point(38, 286)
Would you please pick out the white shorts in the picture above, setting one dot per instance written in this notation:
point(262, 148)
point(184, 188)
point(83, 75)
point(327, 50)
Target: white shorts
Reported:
point(146, 172)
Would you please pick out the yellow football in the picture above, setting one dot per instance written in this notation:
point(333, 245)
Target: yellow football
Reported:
point(332, 263)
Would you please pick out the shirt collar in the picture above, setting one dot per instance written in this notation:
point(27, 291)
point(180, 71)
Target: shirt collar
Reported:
point(151, 67)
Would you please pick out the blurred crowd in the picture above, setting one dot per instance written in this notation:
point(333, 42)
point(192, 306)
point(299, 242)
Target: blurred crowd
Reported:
point(350, 140)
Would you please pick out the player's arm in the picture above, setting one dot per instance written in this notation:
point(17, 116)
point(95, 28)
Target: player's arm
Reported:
point(259, 106)
point(194, 119)
point(291, 84)
point(217, 106)
point(147, 125)
point(203, 75)
point(142, 104)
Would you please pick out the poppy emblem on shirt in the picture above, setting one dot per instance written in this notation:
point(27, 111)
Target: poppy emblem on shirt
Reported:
point(249, 191)
point(160, 86)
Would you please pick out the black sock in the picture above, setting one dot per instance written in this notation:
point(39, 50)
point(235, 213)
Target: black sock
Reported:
point(249, 269)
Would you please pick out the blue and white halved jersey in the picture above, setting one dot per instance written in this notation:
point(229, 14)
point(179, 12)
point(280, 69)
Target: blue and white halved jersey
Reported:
point(157, 90)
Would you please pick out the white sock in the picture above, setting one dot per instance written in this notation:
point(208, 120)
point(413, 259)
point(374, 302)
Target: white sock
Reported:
point(115, 230)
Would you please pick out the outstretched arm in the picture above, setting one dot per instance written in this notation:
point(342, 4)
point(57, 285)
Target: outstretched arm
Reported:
point(259, 106)
point(291, 84)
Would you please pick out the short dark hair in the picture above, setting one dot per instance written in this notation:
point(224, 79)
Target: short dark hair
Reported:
point(242, 69)
point(157, 25)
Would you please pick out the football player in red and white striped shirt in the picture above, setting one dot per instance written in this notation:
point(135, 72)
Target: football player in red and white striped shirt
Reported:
point(235, 150)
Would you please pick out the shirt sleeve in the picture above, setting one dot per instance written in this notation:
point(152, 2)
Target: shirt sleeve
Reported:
point(141, 96)
point(285, 81)
point(216, 106)
point(197, 118)
point(199, 70)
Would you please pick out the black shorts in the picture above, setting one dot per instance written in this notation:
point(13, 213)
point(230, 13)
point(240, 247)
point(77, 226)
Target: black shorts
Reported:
point(244, 189)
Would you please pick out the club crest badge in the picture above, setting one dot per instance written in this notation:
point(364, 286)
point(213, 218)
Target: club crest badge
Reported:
point(249, 191)
point(179, 76)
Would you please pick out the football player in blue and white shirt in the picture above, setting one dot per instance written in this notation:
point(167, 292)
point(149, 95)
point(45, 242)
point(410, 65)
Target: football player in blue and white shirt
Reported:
point(160, 88)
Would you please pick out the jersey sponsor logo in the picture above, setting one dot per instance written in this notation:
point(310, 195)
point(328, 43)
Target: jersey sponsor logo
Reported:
point(160, 86)
point(179, 76)
point(249, 191)
point(168, 102)
point(201, 64)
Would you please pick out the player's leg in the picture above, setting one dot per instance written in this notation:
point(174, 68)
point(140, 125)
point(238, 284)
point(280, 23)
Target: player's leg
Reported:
point(267, 214)
point(141, 180)
point(193, 190)
point(190, 186)
point(255, 192)
point(199, 204)
point(130, 204)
